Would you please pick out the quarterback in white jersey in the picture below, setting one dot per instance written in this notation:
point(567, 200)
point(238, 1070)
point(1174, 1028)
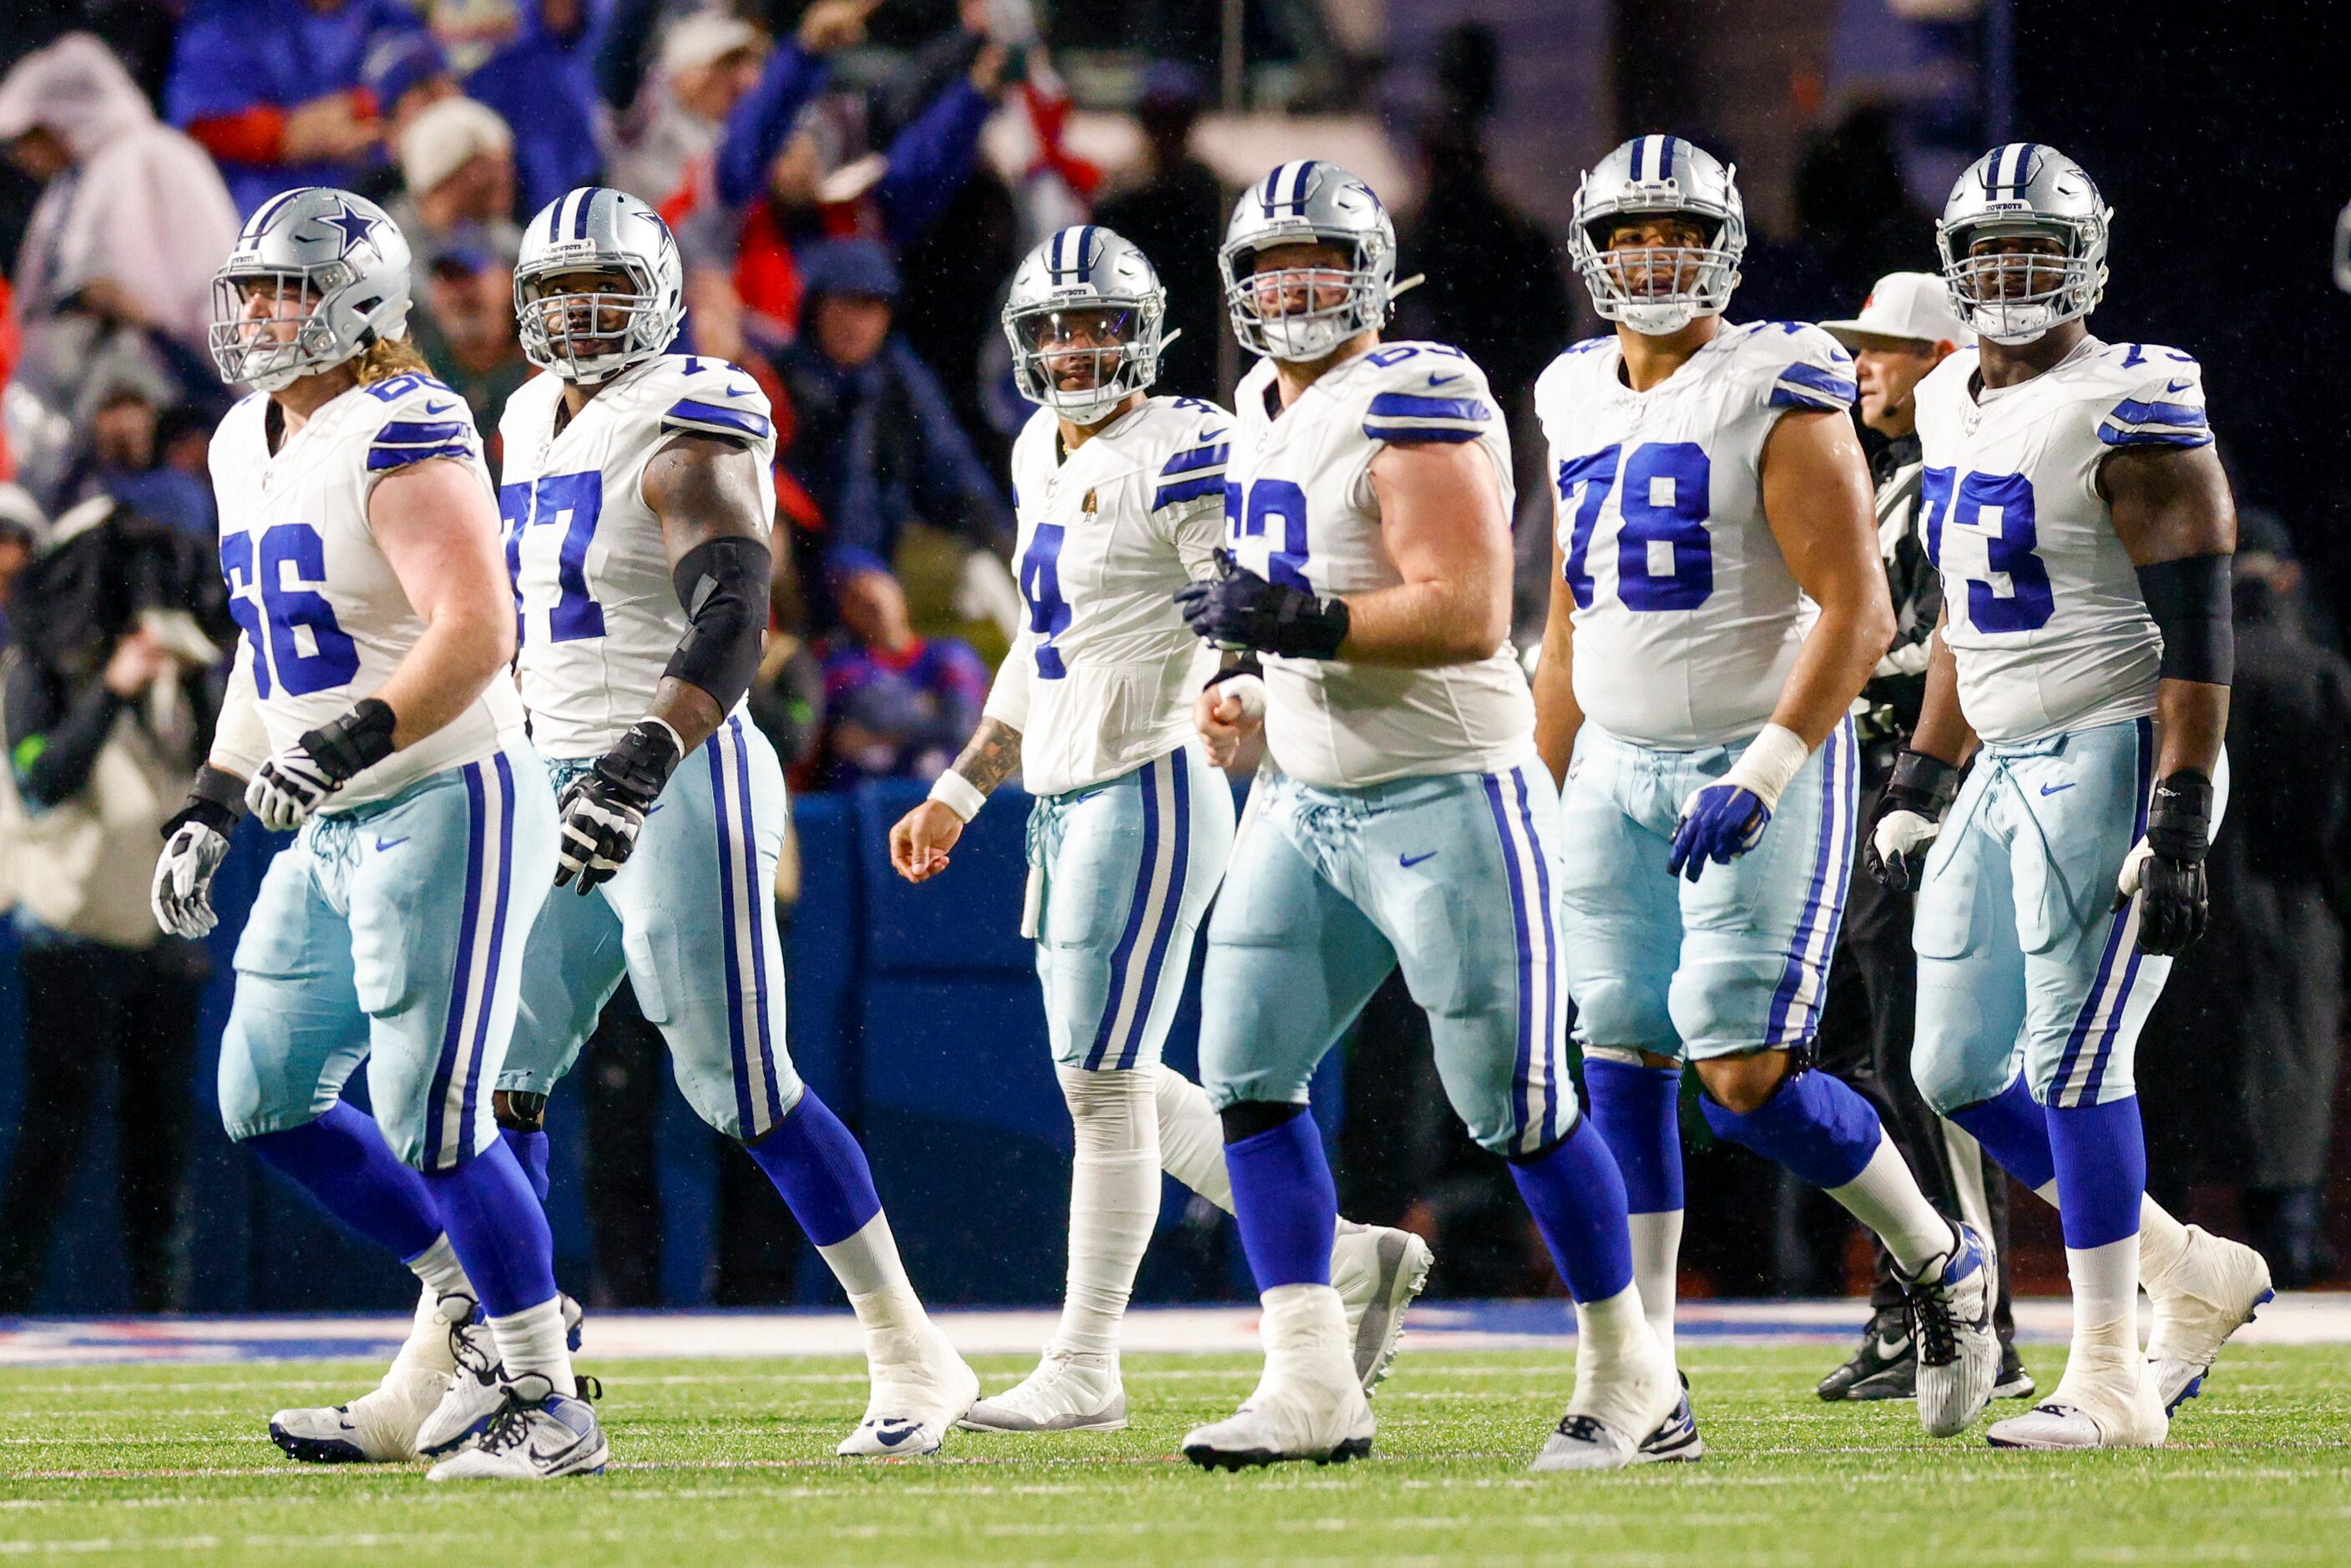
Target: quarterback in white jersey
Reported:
point(638, 498)
point(1404, 822)
point(1121, 497)
point(370, 709)
point(2083, 526)
point(1717, 605)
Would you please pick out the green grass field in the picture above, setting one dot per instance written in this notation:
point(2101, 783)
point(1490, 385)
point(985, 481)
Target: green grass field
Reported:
point(730, 1462)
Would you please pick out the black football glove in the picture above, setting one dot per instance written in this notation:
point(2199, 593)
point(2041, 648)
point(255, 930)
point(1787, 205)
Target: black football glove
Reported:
point(296, 781)
point(2166, 868)
point(1908, 818)
point(603, 809)
point(1239, 609)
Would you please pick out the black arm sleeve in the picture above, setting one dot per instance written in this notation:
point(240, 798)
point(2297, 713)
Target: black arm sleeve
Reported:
point(723, 583)
point(2189, 600)
point(54, 731)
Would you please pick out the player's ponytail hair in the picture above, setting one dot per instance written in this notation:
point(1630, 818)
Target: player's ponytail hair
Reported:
point(388, 357)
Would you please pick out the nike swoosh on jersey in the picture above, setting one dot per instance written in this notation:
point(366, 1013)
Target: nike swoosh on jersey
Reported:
point(439, 407)
point(2052, 789)
point(2177, 386)
point(739, 392)
point(1409, 861)
point(1436, 381)
point(382, 843)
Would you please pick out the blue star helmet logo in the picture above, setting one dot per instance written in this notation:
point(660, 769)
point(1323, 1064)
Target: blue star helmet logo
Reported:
point(358, 228)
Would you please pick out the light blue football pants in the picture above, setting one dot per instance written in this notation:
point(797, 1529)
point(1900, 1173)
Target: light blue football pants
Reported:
point(391, 933)
point(1733, 962)
point(1450, 876)
point(2023, 961)
point(1120, 875)
point(690, 919)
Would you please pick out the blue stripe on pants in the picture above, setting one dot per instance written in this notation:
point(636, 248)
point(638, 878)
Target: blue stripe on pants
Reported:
point(737, 1057)
point(1544, 910)
point(452, 1030)
point(2124, 931)
point(1816, 929)
point(1524, 1066)
point(1170, 904)
point(762, 1031)
point(1123, 953)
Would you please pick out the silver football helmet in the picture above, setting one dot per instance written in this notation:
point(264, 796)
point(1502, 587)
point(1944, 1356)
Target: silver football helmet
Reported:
point(1086, 306)
point(317, 275)
point(1658, 289)
point(2023, 191)
point(590, 336)
point(1283, 314)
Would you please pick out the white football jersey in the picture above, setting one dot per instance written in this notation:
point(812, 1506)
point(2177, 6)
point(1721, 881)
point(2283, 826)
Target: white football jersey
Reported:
point(321, 610)
point(1298, 509)
point(1686, 617)
point(598, 614)
point(1101, 679)
point(2044, 613)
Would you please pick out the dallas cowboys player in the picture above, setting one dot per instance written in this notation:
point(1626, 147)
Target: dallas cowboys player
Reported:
point(1710, 483)
point(2084, 528)
point(638, 494)
point(1121, 497)
point(1367, 501)
point(369, 708)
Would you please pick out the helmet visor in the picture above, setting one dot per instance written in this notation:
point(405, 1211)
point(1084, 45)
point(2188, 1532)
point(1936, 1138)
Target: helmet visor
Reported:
point(1077, 348)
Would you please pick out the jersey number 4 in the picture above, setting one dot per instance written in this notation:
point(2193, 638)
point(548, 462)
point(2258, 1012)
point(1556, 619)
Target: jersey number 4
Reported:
point(2017, 596)
point(1041, 585)
point(575, 501)
point(278, 614)
point(1664, 557)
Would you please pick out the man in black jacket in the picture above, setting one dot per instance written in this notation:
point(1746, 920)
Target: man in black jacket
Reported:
point(1904, 329)
point(106, 716)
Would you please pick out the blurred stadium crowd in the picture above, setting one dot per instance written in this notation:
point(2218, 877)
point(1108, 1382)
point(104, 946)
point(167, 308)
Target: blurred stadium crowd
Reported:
point(851, 186)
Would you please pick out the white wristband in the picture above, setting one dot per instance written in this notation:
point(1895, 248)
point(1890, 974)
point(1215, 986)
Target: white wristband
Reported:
point(957, 794)
point(1769, 764)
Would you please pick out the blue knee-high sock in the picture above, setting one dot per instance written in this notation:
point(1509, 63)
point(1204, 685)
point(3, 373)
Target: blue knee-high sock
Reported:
point(1638, 1112)
point(1814, 1123)
point(1285, 1203)
point(816, 1163)
point(531, 1153)
point(498, 1229)
point(1576, 1193)
point(2100, 1154)
point(2014, 1131)
point(342, 1161)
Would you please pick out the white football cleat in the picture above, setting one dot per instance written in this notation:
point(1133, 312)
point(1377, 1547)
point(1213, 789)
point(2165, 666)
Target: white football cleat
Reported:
point(477, 1389)
point(2209, 1294)
point(378, 1428)
point(1628, 1396)
point(1951, 1325)
point(1377, 1272)
point(2107, 1399)
point(1294, 1415)
point(1067, 1393)
point(537, 1435)
point(918, 1396)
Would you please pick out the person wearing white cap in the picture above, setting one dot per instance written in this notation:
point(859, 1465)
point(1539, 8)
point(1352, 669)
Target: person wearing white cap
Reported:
point(456, 157)
point(707, 61)
point(1905, 328)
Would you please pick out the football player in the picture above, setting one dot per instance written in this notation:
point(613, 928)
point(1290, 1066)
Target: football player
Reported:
point(1121, 499)
point(638, 494)
point(2083, 528)
point(1710, 484)
point(1406, 819)
point(369, 708)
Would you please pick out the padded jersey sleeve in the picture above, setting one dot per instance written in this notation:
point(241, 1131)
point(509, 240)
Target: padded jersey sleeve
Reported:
point(422, 419)
point(1187, 492)
point(1807, 368)
point(2164, 406)
point(711, 397)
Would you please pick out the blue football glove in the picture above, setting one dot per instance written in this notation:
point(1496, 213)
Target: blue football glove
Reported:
point(1718, 823)
point(1239, 609)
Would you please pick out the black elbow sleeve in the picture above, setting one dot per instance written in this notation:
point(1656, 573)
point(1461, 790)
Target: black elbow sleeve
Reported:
point(2190, 602)
point(722, 585)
